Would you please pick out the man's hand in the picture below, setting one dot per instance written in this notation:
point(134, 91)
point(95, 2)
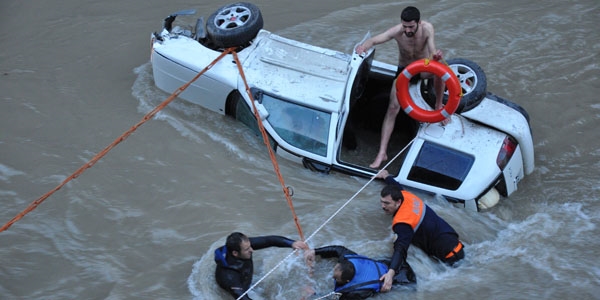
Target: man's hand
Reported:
point(309, 257)
point(364, 47)
point(360, 49)
point(438, 55)
point(388, 279)
point(383, 174)
point(300, 245)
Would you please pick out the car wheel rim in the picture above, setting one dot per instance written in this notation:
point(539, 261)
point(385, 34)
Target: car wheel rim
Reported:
point(466, 76)
point(232, 17)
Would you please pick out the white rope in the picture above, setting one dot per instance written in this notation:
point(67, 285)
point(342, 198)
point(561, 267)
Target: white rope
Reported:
point(337, 296)
point(268, 273)
point(358, 192)
point(327, 221)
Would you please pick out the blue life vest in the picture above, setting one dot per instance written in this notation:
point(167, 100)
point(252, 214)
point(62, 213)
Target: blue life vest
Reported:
point(366, 276)
point(220, 256)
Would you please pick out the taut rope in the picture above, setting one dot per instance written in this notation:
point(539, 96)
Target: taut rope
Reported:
point(121, 138)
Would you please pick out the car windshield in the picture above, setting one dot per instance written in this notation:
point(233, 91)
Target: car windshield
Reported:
point(300, 126)
point(440, 166)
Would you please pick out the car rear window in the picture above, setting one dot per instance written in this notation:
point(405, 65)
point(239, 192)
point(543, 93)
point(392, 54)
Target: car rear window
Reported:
point(300, 126)
point(440, 166)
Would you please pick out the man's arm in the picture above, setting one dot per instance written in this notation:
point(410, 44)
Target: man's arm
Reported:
point(404, 234)
point(326, 252)
point(388, 178)
point(262, 242)
point(378, 39)
point(333, 251)
point(434, 53)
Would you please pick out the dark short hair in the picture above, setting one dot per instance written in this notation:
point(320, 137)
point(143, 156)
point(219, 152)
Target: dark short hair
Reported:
point(410, 13)
point(393, 191)
point(234, 242)
point(348, 270)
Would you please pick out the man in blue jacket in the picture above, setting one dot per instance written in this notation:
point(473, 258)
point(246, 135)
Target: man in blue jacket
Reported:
point(234, 260)
point(357, 276)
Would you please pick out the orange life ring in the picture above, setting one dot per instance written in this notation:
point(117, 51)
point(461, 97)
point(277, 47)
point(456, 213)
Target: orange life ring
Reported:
point(438, 69)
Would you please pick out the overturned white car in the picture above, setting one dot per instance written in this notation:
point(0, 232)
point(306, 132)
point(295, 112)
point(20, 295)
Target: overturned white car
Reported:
point(325, 108)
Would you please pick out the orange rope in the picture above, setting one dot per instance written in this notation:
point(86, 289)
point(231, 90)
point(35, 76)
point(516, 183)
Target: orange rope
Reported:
point(121, 138)
point(271, 153)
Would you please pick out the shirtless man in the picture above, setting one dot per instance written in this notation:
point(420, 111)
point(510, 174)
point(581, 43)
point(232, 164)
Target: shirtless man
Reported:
point(415, 41)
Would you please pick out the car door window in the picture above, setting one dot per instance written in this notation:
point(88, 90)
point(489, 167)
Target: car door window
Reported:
point(299, 126)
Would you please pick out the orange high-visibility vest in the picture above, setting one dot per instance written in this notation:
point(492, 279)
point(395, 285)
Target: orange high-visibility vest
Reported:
point(411, 211)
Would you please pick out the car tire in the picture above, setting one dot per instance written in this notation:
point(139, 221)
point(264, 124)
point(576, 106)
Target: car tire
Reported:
point(472, 80)
point(234, 25)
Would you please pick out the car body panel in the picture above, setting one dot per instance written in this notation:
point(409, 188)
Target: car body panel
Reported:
point(504, 118)
point(513, 172)
point(483, 146)
point(278, 66)
point(172, 67)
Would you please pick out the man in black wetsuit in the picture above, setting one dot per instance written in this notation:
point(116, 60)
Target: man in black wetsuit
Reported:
point(416, 223)
point(234, 260)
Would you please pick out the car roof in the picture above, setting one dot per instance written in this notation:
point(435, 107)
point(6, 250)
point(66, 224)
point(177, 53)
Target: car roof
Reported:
point(302, 73)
